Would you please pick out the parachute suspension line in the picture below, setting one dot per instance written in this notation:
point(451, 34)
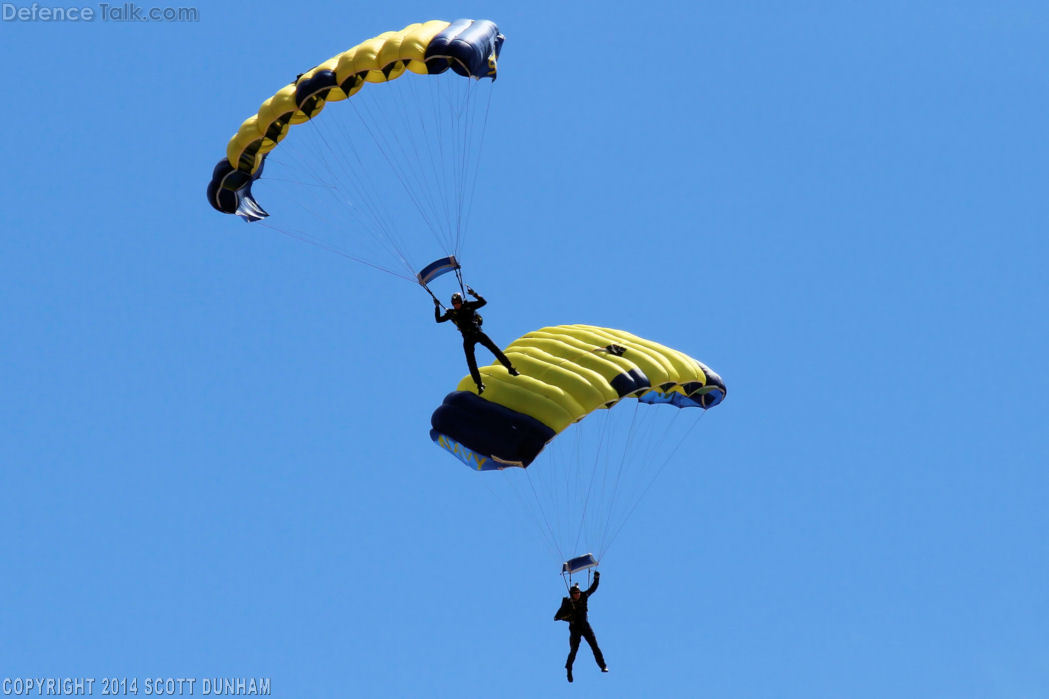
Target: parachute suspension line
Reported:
point(619, 475)
point(342, 146)
point(641, 497)
point(437, 193)
point(593, 475)
point(461, 177)
point(382, 228)
point(574, 479)
point(422, 155)
point(472, 188)
point(305, 238)
point(452, 128)
point(383, 127)
point(292, 159)
point(522, 505)
point(636, 454)
point(384, 149)
point(439, 157)
point(539, 504)
point(396, 155)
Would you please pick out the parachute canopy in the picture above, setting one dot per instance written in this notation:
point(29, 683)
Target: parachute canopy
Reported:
point(468, 47)
point(567, 372)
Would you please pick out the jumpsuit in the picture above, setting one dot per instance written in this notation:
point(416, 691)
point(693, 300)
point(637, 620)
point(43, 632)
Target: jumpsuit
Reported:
point(468, 322)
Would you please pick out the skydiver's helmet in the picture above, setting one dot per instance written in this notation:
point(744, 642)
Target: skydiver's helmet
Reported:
point(457, 299)
point(575, 589)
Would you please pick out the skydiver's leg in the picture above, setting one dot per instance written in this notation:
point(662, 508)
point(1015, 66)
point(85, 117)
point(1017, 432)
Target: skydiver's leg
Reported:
point(573, 646)
point(494, 349)
point(588, 634)
point(471, 362)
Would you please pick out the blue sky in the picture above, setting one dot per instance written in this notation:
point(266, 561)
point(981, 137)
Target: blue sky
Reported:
point(214, 447)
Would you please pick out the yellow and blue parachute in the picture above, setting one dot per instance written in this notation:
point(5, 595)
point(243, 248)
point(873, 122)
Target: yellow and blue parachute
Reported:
point(469, 48)
point(567, 372)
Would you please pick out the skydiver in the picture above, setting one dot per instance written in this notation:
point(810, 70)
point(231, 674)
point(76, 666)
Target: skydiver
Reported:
point(573, 610)
point(468, 321)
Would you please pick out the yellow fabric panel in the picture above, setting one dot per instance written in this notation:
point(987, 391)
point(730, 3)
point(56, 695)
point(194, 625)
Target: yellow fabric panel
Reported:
point(548, 404)
point(246, 137)
point(252, 133)
point(335, 94)
point(598, 364)
point(597, 368)
point(346, 66)
point(367, 58)
point(408, 46)
point(391, 50)
point(277, 107)
point(583, 385)
point(685, 367)
point(416, 40)
point(591, 369)
point(652, 364)
point(566, 372)
point(582, 351)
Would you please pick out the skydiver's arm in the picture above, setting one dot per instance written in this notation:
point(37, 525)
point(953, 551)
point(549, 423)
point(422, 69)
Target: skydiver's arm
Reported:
point(479, 302)
point(593, 587)
point(437, 314)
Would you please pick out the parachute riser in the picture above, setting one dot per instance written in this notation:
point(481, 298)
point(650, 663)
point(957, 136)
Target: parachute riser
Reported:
point(567, 579)
point(432, 296)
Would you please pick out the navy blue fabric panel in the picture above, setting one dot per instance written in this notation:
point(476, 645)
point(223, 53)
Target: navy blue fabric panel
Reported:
point(222, 198)
point(465, 46)
point(489, 428)
point(715, 391)
point(230, 191)
point(630, 382)
point(640, 379)
point(623, 384)
point(353, 82)
point(317, 86)
point(691, 387)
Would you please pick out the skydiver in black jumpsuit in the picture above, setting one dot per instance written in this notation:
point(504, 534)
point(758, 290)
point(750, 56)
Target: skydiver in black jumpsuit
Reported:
point(573, 610)
point(469, 323)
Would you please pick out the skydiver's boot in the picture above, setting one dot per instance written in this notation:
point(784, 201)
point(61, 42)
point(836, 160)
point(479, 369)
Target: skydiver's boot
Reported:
point(480, 388)
point(569, 673)
point(604, 669)
point(514, 372)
